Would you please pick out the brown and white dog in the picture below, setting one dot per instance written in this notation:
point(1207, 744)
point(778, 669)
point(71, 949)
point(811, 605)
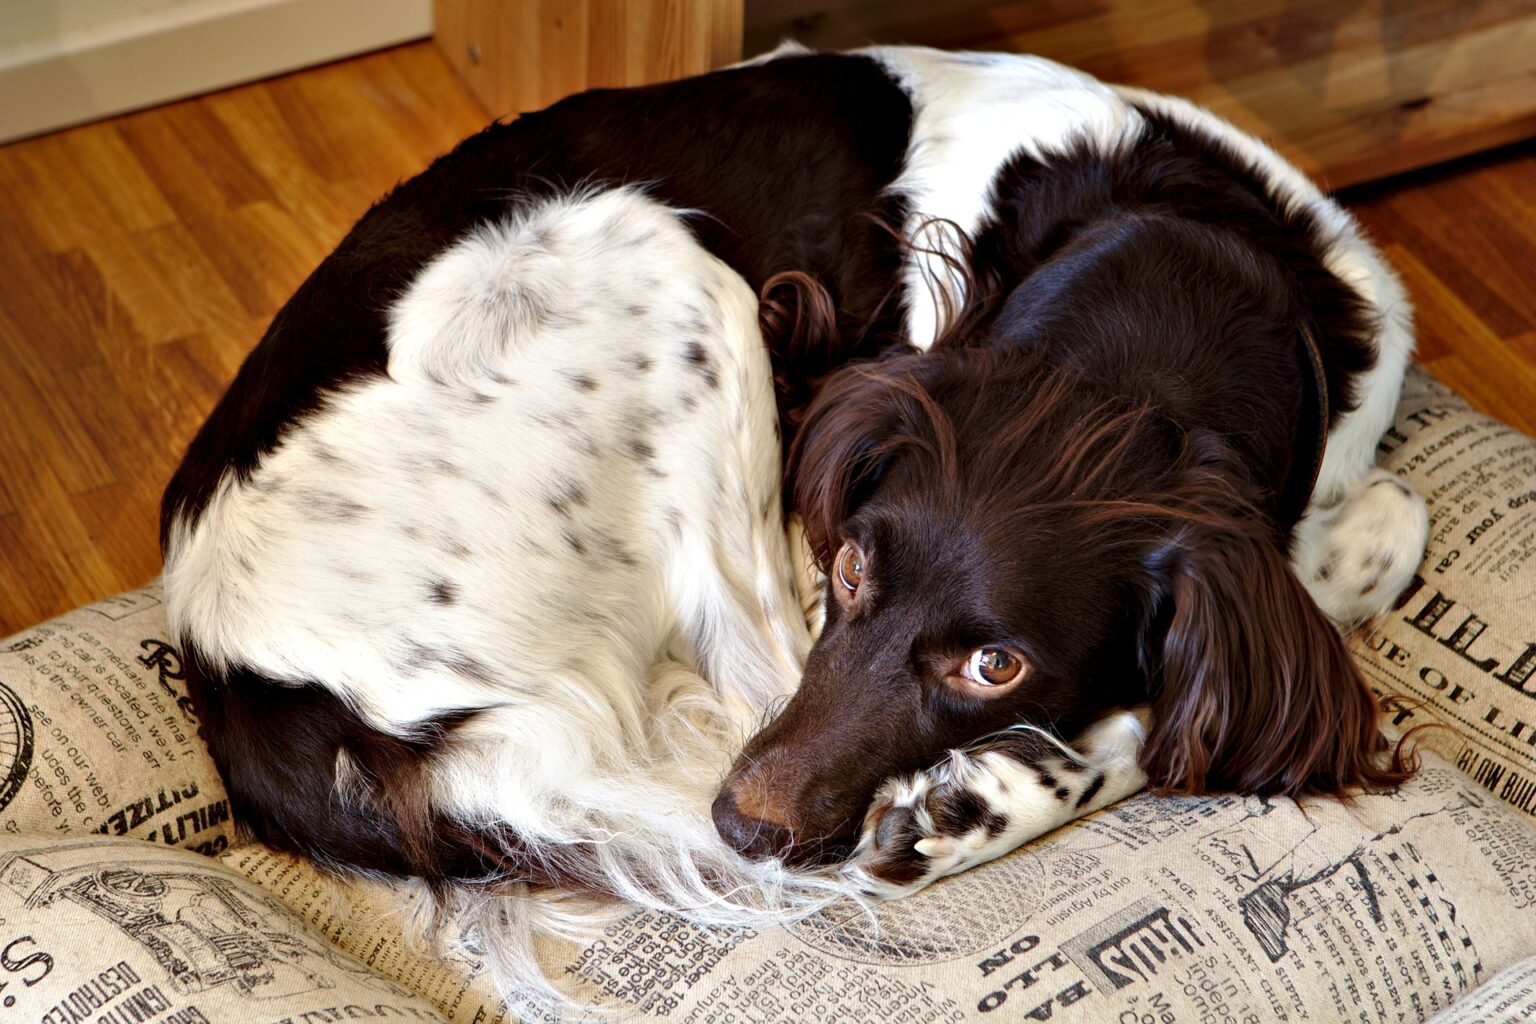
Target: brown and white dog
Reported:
point(479, 565)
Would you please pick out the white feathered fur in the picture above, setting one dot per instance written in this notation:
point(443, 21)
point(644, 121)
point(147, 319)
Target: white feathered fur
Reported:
point(576, 441)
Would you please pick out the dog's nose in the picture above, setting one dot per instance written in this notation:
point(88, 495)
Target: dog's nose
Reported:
point(749, 836)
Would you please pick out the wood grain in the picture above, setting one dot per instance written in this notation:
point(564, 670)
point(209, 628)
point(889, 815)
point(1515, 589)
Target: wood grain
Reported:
point(142, 257)
point(1349, 90)
point(521, 55)
point(1464, 240)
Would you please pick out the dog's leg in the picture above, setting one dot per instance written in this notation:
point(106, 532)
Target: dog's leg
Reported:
point(985, 802)
point(1356, 556)
point(1364, 533)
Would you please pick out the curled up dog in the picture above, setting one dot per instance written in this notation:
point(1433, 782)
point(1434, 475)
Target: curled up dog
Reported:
point(480, 565)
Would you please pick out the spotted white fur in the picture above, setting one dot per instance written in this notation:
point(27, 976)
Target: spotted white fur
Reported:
point(561, 508)
point(1356, 556)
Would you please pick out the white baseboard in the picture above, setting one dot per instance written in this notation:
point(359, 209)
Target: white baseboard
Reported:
point(189, 49)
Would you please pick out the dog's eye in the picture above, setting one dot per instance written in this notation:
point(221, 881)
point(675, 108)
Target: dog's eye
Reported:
point(850, 567)
point(994, 666)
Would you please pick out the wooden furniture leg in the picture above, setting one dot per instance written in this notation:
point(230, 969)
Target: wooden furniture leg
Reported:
point(520, 55)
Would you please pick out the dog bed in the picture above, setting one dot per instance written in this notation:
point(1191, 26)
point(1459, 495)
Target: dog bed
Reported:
point(126, 893)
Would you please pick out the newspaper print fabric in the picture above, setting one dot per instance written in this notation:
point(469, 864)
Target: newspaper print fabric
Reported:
point(367, 919)
point(1462, 643)
point(114, 930)
point(1509, 997)
point(97, 734)
point(1155, 910)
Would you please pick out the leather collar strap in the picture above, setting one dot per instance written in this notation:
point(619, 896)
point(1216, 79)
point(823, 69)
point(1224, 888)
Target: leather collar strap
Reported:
point(1311, 433)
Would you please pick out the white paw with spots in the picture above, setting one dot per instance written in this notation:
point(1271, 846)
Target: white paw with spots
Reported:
point(1356, 557)
point(970, 810)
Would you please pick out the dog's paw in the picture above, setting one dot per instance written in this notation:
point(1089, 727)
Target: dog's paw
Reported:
point(1356, 557)
point(974, 808)
point(923, 827)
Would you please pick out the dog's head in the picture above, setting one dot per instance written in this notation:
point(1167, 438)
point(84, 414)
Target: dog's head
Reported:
point(1006, 543)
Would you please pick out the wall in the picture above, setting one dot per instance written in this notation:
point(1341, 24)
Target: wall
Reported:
point(67, 61)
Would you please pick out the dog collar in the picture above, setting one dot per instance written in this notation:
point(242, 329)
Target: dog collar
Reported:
point(1311, 434)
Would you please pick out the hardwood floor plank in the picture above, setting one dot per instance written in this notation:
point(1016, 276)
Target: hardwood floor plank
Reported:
point(177, 146)
point(114, 173)
point(1464, 351)
point(1447, 247)
point(266, 142)
point(62, 208)
point(190, 281)
point(31, 572)
point(1524, 347)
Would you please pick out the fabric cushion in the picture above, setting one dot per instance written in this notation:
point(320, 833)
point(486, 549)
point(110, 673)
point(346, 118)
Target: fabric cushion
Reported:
point(1462, 645)
point(113, 930)
point(1390, 907)
point(97, 734)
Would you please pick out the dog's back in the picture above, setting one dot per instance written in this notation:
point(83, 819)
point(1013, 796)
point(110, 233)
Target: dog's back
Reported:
point(458, 623)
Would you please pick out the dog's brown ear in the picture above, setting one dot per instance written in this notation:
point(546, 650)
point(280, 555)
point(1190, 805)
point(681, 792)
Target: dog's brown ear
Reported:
point(861, 417)
point(1255, 690)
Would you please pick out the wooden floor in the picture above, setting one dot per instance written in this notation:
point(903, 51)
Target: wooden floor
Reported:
point(141, 257)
